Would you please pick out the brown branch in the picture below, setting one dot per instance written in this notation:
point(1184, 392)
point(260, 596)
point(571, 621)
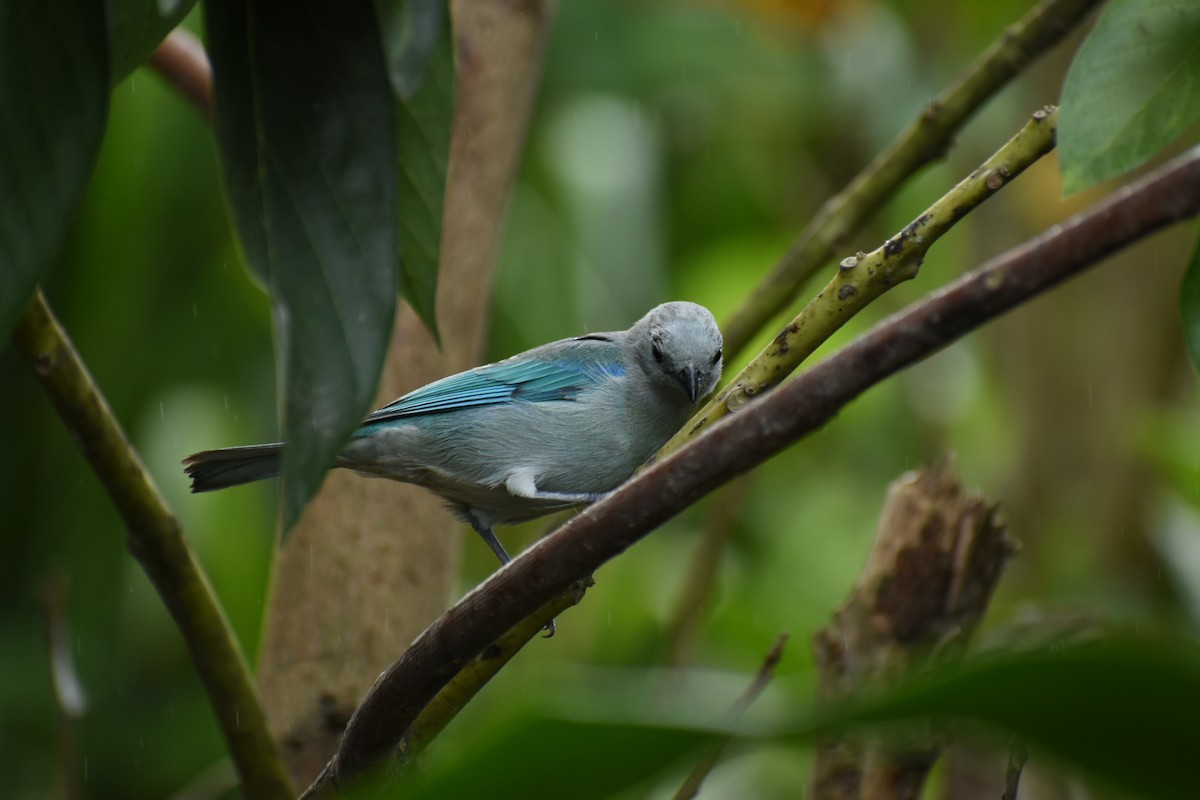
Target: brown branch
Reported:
point(744, 440)
point(467, 683)
point(182, 62)
point(922, 142)
point(155, 538)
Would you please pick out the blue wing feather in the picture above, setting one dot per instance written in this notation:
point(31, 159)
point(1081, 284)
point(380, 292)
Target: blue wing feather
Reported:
point(537, 377)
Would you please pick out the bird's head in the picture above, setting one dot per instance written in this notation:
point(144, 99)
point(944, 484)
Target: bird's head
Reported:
point(679, 344)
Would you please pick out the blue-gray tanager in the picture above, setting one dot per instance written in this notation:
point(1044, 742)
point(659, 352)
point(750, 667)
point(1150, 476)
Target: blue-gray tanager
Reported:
point(557, 426)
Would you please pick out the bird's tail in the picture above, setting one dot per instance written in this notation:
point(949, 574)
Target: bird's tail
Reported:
point(232, 466)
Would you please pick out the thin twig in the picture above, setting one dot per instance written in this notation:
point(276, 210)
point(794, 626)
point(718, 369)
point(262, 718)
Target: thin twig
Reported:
point(155, 538)
point(691, 785)
point(865, 277)
point(182, 62)
point(1018, 754)
point(68, 689)
point(743, 441)
point(923, 141)
point(701, 577)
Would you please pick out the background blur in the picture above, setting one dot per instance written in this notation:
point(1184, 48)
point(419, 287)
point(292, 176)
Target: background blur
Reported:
point(676, 150)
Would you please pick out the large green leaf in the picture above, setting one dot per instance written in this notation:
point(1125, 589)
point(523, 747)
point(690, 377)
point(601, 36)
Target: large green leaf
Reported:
point(547, 757)
point(53, 106)
point(1127, 712)
point(1189, 301)
point(306, 132)
point(1132, 89)
point(420, 53)
point(137, 27)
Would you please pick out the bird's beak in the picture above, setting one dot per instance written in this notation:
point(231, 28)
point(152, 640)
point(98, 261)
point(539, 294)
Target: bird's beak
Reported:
point(690, 381)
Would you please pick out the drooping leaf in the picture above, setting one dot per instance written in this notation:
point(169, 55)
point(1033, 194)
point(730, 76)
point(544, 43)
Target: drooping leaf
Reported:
point(1189, 301)
point(419, 48)
point(1126, 712)
point(137, 27)
point(1133, 88)
point(305, 129)
point(53, 107)
point(547, 757)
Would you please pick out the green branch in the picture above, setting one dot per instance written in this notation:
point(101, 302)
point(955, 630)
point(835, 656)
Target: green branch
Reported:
point(864, 277)
point(155, 538)
point(924, 141)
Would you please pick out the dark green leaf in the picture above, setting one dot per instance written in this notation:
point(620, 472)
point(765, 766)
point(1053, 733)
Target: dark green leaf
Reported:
point(1132, 89)
point(1127, 712)
point(555, 758)
point(1189, 301)
point(305, 127)
point(53, 105)
point(137, 28)
point(420, 54)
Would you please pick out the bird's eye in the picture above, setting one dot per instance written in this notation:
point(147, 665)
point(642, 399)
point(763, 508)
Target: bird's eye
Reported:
point(716, 357)
point(656, 351)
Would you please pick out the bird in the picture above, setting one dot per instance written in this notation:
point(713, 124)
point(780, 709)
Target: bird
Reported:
point(557, 426)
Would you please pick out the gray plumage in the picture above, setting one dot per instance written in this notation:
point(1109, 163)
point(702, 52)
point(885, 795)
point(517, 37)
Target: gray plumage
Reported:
point(557, 426)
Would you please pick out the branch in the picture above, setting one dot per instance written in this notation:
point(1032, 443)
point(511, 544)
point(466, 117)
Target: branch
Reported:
point(741, 442)
point(693, 602)
point(1018, 754)
point(460, 689)
point(924, 140)
point(467, 683)
point(155, 538)
point(863, 278)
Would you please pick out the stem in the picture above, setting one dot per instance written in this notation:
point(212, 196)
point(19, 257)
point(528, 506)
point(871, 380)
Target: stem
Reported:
point(864, 278)
point(155, 538)
point(691, 785)
point(922, 142)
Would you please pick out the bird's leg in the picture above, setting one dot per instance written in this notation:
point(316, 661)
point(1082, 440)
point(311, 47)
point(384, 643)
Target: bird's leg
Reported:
point(485, 531)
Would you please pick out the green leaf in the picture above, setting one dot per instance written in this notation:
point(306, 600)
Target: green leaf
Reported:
point(1127, 711)
point(552, 758)
point(305, 129)
point(1189, 302)
point(1124, 711)
point(53, 107)
point(419, 48)
point(137, 27)
point(1133, 88)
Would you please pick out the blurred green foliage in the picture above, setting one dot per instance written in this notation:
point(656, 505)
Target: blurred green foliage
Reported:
point(676, 149)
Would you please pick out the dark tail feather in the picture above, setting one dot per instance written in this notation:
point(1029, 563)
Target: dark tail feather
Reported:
point(232, 466)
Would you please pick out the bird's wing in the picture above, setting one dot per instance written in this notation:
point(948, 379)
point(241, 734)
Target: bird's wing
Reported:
point(558, 371)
